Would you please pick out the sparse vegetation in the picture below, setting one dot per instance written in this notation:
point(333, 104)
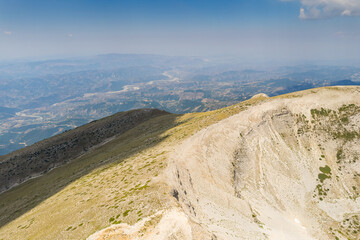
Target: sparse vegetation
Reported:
point(115, 183)
point(325, 173)
point(348, 228)
point(339, 155)
point(126, 213)
point(322, 112)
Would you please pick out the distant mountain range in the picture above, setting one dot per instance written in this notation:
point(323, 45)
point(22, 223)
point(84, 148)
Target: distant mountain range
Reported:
point(41, 99)
point(346, 82)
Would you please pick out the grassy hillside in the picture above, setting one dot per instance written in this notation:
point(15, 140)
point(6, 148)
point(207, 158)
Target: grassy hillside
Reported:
point(120, 181)
point(196, 163)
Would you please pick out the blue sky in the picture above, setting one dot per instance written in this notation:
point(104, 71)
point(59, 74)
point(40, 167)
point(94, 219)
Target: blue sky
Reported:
point(254, 29)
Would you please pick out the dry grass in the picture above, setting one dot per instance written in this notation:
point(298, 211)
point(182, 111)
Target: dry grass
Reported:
point(119, 182)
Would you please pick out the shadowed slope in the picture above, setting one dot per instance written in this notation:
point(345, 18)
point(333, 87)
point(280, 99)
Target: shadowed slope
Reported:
point(45, 155)
point(24, 197)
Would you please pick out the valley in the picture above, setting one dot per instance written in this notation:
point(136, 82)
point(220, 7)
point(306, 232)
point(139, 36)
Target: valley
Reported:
point(64, 94)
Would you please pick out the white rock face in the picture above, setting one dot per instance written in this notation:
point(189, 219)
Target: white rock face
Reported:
point(278, 170)
point(285, 169)
point(174, 224)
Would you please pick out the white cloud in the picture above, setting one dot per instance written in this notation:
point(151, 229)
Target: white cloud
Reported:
point(315, 9)
point(70, 35)
point(346, 12)
point(7, 32)
point(302, 13)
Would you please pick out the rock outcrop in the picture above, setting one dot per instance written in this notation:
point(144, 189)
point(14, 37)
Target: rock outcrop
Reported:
point(285, 169)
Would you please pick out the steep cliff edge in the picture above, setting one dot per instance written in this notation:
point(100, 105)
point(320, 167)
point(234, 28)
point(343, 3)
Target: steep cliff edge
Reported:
point(285, 169)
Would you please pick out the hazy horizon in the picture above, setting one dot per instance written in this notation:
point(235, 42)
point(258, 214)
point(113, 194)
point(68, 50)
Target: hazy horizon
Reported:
point(279, 30)
point(236, 60)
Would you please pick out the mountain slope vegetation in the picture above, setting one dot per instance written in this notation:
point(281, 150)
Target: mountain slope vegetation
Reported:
point(266, 168)
point(43, 156)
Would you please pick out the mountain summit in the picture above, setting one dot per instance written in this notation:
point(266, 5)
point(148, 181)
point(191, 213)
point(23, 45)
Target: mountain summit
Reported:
point(284, 167)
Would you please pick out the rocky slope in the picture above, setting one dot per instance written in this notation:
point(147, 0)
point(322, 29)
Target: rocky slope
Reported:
point(267, 168)
point(285, 169)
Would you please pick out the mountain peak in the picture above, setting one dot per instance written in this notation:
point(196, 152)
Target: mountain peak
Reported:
point(260, 95)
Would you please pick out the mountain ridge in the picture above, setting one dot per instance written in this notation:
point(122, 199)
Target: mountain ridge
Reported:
point(239, 172)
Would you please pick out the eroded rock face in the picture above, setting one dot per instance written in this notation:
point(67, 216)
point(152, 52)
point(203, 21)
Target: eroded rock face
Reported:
point(281, 168)
point(285, 169)
point(43, 156)
point(171, 224)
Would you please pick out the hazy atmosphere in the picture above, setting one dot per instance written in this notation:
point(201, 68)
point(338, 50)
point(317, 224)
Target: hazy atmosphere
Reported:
point(180, 119)
point(261, 30)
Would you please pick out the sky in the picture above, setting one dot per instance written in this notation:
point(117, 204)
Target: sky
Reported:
point(250, 29)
